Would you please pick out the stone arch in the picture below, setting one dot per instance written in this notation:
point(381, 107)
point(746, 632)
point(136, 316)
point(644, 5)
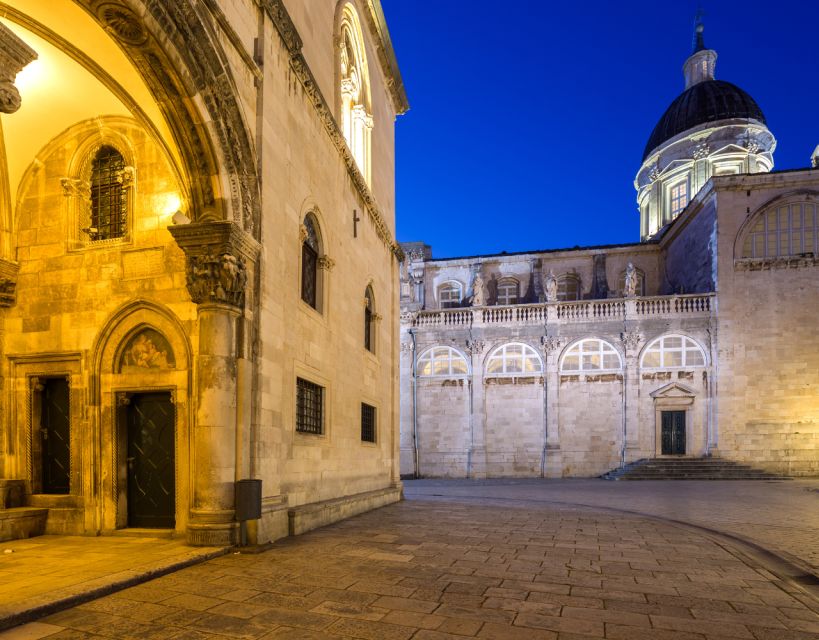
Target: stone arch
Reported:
point(110, 388)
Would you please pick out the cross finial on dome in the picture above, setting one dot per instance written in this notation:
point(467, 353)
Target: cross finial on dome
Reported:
point(698, 44)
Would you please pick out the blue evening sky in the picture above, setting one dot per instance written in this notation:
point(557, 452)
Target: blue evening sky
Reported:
point(528, 118)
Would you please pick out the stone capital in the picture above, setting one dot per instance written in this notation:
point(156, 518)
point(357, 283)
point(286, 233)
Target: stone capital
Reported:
point(14, 55)
point(8, 282)
point(220, 256)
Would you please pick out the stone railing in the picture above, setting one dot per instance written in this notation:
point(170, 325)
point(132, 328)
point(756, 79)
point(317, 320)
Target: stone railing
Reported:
point(697, 305)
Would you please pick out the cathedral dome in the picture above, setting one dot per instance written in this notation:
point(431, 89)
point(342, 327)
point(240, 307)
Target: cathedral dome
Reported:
point(704, 102)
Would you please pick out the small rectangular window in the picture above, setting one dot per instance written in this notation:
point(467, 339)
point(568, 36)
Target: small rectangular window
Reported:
point(309, 407)
point(367, 423)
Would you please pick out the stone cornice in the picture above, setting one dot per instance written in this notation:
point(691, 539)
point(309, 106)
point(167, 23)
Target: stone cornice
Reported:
point(377, 25)
point(291, 39)
point(777, 262)
point(14, 55)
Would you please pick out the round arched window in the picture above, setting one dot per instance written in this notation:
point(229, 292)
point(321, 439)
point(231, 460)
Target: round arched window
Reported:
point(442, 361)
point(672, 352)
point(513, 358)
point(591, 354)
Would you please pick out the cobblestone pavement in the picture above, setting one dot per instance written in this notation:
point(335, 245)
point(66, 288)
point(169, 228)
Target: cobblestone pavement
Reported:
point(782, 517)
point(449, 568)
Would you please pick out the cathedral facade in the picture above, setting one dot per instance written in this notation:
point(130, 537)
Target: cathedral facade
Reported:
point(697, 341)
point(196, 252)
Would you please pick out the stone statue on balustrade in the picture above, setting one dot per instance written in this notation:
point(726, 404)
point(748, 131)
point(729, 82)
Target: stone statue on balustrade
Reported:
point(551, 287)
point(630, 287)
point(478, 297)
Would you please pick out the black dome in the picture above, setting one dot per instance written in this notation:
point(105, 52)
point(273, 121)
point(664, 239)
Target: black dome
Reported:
point(706, 101)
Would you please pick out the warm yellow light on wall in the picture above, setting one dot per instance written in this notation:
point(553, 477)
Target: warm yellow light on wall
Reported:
point(168, 204)
point(35, 73)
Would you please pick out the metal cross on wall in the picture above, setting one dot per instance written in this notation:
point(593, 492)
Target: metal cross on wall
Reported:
point(356, 220)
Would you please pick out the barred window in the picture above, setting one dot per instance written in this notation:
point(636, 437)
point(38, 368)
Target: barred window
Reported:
point(787, 230)
point(508, 291)
point(309, 264)
point(309, 407)
point(591, 355)
point(367, 422)
point(514, 358)
point(672, 352)
point(108, 197)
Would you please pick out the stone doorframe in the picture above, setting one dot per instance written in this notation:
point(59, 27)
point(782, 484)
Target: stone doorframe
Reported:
point(673, 397)
point(114, 378)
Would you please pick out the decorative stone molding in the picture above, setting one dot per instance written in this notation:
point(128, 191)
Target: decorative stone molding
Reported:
point(303, 233)
point(326, 263)
point(14, 56)
point(406, 347)
point(407, 317)
point(654, 172)
point(777, 262)
point(552, 343)
point(475, 347)
point(8, 282)
point(376, 317)
point(75, 187)
point(289, 35)
point(701, 151)
point(631, 339)
point(219, 256)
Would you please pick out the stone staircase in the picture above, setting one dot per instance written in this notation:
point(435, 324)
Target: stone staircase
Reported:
point(682, 468)
point(16, 520)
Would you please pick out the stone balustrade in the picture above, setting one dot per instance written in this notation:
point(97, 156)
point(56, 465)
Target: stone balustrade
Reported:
point(696, 305)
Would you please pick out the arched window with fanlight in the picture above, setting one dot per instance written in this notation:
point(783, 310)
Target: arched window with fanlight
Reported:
point(508, 291)
point(672, 352)
point(568, 287)
point(450, 295)
point(592, 355)
point(513, 358)
point(109, 199)
point(311, 256)
point(354, 89)
point(442, 362)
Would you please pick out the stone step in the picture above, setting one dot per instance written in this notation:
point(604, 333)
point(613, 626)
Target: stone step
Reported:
point(689, 469)
point(22, 522)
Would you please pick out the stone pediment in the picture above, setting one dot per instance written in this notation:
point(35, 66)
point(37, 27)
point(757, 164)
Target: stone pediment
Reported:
point(673, 390)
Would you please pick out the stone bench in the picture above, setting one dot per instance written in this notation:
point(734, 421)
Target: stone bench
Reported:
point(318, 514)
point(12, 493)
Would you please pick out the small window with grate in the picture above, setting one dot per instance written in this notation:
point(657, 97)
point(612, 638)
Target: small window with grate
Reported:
point(309, 407)
point(367, 423)
point(109, 199)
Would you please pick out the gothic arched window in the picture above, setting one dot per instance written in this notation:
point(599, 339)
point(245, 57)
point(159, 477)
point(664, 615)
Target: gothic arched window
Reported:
point(591, 354)
point(109, 202)
point(356, 111)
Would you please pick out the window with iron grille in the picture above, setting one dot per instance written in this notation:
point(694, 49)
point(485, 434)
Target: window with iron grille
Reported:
point(367, 423)
point(309, 407)
point(108, 197)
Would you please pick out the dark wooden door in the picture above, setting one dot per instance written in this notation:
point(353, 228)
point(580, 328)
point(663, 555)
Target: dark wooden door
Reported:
point(151, 476)
point(55, 434)
point(673, 433)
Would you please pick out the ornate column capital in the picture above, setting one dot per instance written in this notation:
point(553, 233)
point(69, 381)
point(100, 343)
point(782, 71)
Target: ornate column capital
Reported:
point(631, 341)
point(475, 347)
point(14, 55)
point(8, 282)
point(326, 262)
point(220, 256)
point(552, 344)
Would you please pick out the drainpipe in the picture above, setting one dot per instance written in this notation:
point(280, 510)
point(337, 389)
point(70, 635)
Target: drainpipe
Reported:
point(412, 331)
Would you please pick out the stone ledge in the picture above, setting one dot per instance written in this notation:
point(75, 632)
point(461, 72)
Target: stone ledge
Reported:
point(318, 514)
point(22, 522)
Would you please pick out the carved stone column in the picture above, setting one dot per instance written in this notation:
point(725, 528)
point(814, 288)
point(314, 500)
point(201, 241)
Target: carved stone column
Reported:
point(221, 261)
point(14, 55)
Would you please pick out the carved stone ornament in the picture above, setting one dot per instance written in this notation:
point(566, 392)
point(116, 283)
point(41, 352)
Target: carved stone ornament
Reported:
point(407, 317)
point(303, 233)
point(475, 347)
point(552, 343)
point(219, 254)
point(654, 172)
point(406, 347)
point(630, 286)
point(8, 282)
point(75, 187)
point(631, 339)
point(701, 151)
point(326, 263)
point(123, 23)
point(14, 56)
point(551, 287)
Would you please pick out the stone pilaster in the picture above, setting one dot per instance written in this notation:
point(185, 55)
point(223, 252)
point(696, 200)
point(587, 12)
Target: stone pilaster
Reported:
point(476, 467)
point(632, 341)
point(221, 259)
point(14, 55)
point(552, 460)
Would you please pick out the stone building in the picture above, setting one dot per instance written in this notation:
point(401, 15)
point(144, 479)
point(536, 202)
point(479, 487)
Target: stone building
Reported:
point(697, 341)
point(198, 271)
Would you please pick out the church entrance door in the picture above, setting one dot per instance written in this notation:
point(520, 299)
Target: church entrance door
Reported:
point(673, 433)
point(150, 461)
